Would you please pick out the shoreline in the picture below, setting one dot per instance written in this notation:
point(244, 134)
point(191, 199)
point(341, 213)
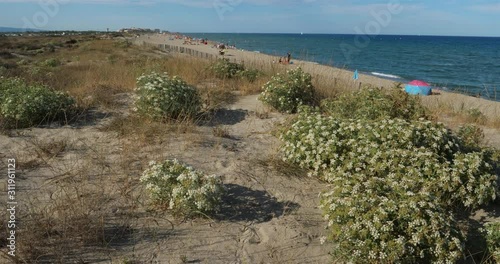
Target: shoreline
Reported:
point(456, 85)
point(456, 101)
point(258, 58)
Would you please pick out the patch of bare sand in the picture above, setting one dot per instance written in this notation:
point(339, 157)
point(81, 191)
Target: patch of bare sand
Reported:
point(267, 216)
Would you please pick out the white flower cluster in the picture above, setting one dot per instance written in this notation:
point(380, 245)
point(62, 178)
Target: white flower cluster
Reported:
point(160, 96)
point(393, 185)
point(181, 188)
point(287, 92)
point(332, 147)
point(23, 105)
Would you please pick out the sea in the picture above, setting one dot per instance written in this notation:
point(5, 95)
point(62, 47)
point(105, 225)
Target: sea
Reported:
point(469, 65)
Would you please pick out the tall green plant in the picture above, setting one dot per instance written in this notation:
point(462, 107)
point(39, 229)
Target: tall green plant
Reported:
point(375, 103)
point(286, 92)
point(23, 105)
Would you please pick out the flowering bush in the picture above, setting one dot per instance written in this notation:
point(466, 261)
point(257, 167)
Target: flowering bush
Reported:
point(317, 142)
point(394, 184)
point(160, 96)
point(23, 105)
point(223, 68)
point(385, 220)
point(184, 190)
point(331, 147)
point(375, 103)
point(287, 92)
point(492, 232)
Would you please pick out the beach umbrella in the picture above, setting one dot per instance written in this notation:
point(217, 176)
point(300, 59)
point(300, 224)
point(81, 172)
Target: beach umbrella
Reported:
point(356, 76)
point(418, 87)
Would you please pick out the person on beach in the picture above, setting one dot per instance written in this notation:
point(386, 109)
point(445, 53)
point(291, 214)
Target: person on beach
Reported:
point(288, 57)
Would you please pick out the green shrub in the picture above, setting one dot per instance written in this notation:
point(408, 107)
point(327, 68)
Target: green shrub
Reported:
point(287, 92)
point(250, 75)
point(471, 136)
point(395, 185)
point(223, 69)
point(23, 105)
point(124, 44)
point(160, 96)
point(375, 103)
point(51, 63)
point(182, 189)
point(476, 116)
point(492, 234)
point(23, 62)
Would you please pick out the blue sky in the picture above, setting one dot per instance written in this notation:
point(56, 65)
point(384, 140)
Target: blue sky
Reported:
point(415, 17)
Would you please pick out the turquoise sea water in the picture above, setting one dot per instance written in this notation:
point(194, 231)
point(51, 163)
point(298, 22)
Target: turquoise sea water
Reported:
point(466, 64)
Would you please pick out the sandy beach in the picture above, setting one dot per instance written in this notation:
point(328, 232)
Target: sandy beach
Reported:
point(457, 102)
point(255, 58)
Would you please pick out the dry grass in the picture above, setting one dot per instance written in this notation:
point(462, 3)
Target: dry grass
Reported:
point(459, 113)
point(141, 132)
point(327, 86)
point(221, 131)
point(282, 168)
point(49, 150)
point(71, 207)
point(72, 218)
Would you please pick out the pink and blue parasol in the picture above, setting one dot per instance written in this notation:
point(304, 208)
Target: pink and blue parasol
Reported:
point(418, 87)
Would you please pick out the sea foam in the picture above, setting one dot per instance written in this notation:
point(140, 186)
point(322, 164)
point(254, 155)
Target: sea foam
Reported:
point(386, 75)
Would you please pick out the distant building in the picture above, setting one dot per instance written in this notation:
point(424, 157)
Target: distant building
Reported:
point(134, 30)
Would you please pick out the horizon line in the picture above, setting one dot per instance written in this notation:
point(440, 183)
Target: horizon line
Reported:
point(304, 33)
point(284, 33)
